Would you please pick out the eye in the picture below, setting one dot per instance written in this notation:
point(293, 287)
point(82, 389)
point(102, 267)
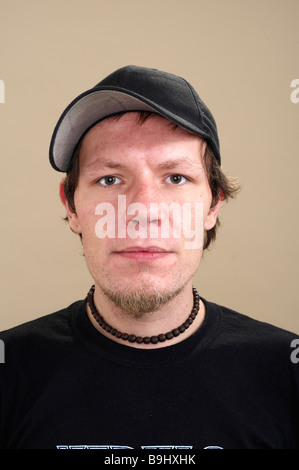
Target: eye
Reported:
point(109, 180)
point(176, 179)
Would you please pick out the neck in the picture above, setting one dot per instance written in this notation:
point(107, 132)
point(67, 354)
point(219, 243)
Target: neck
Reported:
point(170, 316)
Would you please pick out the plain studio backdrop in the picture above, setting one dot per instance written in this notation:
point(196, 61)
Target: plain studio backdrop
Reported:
point(240, 55)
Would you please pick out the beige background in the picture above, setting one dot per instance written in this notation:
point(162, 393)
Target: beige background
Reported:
point(241, 56)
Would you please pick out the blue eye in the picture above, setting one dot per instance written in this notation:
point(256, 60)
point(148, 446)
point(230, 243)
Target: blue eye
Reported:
point(176, 179)
point(109, 180)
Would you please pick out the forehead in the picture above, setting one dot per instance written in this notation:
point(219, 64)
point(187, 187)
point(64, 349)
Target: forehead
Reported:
point(129, 131)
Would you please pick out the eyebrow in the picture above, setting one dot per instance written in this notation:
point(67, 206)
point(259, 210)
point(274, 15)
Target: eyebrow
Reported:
point(179, 162)
point(169, 164)
point(103, 164)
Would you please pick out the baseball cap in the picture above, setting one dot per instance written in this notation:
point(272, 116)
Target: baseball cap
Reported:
point(132, 88)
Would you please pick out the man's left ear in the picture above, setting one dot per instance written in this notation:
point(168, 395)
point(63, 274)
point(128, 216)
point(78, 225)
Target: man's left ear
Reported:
point(213, 213)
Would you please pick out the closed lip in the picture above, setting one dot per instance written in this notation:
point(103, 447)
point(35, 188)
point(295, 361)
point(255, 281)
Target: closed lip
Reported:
point(146, 249)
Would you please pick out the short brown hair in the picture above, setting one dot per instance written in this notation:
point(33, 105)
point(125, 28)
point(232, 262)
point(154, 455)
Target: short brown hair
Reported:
point(222, 186)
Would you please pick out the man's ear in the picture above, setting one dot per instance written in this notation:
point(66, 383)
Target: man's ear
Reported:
point(213, 213)
point(71, 215)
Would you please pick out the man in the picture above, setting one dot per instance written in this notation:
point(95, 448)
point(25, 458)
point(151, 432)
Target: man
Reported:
point(143, 361)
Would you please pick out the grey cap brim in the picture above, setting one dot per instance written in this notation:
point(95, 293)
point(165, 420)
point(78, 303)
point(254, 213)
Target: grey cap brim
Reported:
point(93, 106)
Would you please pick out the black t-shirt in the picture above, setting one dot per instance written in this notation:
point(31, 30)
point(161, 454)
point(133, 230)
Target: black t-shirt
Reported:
point(232, 385)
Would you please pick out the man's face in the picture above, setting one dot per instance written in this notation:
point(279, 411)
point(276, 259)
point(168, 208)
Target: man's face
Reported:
point(143, 163)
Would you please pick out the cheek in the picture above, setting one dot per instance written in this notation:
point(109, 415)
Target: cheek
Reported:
point(194, 224)
point(190, 261)
point(87, 220)
point(85, 208)
point(97, 228)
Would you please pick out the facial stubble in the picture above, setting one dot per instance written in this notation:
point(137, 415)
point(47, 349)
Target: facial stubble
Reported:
point(138, 302)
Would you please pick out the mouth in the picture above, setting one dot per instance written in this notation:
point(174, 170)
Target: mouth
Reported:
point(144, 253)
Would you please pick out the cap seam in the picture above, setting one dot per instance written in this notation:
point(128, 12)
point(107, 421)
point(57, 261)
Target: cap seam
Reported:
point(201, 114)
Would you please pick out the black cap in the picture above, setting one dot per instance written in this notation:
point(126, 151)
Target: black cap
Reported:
point(127, 89)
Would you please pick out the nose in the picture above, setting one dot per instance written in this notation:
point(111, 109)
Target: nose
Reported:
point(144, 192)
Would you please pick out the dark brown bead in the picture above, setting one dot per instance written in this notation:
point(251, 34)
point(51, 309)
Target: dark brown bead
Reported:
point(193, 316)
point(182, 329)
point(139, 339)
point(169, 335)
point(176, 332)
point(186, 325)
point(113, 332)
point(154, 339)
point(125, 336)
point(118, 334)
point(132, 338)
point(190, 321)
point(146, 340)
point(161, 338)
point(108, 328)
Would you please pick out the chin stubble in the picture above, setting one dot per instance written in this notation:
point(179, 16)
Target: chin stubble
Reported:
point(138, 303)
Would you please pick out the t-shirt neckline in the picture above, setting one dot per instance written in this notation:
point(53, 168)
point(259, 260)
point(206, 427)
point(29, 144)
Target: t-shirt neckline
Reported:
point(123, 353)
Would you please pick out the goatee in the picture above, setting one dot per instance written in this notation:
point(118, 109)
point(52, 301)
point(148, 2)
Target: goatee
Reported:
point(137, 303)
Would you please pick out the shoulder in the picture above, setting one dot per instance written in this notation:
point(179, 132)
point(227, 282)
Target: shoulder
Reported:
point(56, 322)
point(41, 337)
point(251, 327)
point(253, 339)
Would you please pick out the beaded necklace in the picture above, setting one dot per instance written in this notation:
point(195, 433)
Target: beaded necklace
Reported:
point(143, 339)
